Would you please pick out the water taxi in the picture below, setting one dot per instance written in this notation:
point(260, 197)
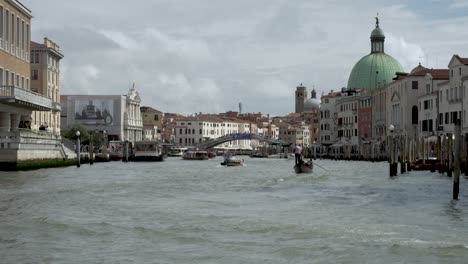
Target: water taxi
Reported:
point(147, 151)
point(195, 154)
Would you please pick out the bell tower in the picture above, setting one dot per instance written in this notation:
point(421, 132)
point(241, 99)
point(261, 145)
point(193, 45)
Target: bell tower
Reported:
point(301, 97)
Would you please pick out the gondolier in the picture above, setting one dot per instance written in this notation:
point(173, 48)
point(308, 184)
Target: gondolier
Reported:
point(297, 153)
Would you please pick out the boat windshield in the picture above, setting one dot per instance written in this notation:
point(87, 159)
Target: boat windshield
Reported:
point(146, 147)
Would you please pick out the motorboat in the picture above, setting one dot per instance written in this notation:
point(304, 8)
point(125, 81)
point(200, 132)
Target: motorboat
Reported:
point(230, 160)
point(176, 151)
point(147, 150)
point(195, 154)
point(116, 149)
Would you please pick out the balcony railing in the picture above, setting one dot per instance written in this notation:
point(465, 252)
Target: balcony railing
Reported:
point(24, 98)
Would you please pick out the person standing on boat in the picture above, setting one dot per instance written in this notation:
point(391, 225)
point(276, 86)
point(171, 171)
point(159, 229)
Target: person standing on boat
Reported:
point(297, 153)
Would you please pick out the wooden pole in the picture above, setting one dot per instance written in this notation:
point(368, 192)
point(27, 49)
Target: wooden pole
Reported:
point(456, 177)
point(91, 153)
point(449, 156)
point(403, 155)
point(466, 154)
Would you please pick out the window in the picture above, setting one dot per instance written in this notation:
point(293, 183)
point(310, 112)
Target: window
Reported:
point(459, 71)
point(414, 115)
point(17, 35)
point(156, 117)
point(13, 33)
point(447, 120)
point(27, 41)
point(7, 29)
point(441, 118)
point(1, 27)
point(22, 38)
point(426, 104)
point(34, 75)
point(428, 88)
point(414, 85)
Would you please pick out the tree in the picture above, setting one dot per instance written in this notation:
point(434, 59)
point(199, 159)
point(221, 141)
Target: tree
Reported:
point(86, 136)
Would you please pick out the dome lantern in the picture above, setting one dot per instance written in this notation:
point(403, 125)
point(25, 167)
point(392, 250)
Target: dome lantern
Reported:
point(377, 38)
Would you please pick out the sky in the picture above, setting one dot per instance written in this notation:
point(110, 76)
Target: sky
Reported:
point(191, 56)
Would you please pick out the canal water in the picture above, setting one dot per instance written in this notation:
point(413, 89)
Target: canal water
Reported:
point(181, 211)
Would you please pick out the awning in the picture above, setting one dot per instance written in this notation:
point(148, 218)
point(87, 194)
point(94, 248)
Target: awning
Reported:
point(431, 139)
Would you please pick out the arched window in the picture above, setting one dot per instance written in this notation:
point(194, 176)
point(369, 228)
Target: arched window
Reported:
point(414, 115)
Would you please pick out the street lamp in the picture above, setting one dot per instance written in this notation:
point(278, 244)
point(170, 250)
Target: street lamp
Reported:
point(78, 147)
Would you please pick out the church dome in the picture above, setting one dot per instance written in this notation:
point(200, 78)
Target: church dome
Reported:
point(311, 104)
point(375, 69)
point(418, 68)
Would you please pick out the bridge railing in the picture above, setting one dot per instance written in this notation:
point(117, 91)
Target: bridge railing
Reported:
point(236, 136)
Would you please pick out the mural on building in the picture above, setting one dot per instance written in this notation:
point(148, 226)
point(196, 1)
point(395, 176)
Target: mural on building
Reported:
point(94, 112)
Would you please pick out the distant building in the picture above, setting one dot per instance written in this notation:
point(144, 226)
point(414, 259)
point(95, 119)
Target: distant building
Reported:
point(152, 123)
point(191, 131)
point(117, 116)
point(295, 134)
point(301, 98)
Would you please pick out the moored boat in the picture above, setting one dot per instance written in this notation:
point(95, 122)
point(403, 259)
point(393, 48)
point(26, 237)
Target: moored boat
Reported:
point(147, 151)
point(116, 150)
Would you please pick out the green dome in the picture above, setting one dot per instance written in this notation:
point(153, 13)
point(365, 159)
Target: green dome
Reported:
point(373, 71)
point(376, 69)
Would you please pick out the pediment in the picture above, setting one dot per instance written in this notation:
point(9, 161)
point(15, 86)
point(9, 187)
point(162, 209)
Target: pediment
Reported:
point(454, 62)
point(395, 97)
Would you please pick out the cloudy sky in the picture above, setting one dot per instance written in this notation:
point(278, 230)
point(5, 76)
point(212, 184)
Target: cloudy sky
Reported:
point(189, 56)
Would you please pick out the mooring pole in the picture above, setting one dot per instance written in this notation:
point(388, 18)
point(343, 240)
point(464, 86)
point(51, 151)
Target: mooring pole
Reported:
point(457, 149)
point(91, 153)
point(450, 155)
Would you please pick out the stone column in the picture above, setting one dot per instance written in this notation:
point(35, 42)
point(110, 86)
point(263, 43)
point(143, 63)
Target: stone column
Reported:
point(5, 121)
point(15, 120)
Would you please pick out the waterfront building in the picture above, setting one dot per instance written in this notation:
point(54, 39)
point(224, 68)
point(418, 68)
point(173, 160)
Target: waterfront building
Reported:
point(365, 106)
point(152, 123)
point(295, 134)
point(118, 116)
point(18, 142)
point(190, 131)
point(328, 118)
point(364, 113)
point(45, 80)
point(347, 127)
point(455, 102)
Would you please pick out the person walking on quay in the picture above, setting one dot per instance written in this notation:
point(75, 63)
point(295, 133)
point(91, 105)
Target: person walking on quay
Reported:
point(297, 153)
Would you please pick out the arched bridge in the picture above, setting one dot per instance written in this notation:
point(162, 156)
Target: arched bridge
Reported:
point(214, 142)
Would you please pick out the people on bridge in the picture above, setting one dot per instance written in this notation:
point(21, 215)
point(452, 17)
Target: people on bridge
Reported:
point(297, 153)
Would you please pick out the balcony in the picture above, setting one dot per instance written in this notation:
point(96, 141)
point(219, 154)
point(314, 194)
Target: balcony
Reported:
point(56, 107)
point(19, 97)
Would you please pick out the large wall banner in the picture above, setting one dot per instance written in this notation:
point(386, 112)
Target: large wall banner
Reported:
point(94, 112)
